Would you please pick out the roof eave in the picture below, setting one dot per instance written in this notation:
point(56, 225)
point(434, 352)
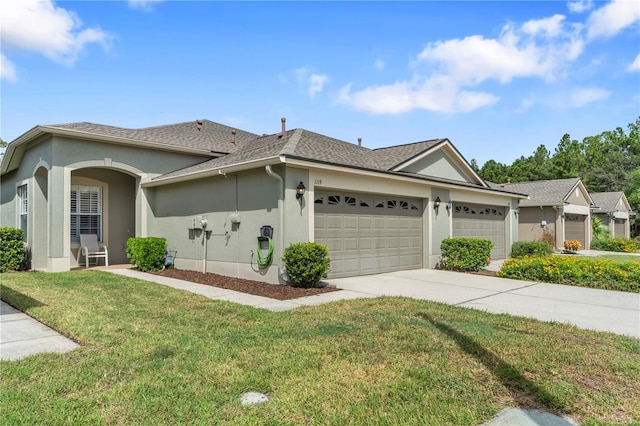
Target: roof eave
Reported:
point(215, 171)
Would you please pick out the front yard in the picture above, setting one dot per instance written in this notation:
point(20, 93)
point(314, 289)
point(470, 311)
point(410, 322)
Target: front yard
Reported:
point(155, 355)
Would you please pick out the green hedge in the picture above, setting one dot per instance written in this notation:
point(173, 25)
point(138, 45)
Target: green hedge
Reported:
point(575, 270)
point(12, 250)
point(147, 253)
point(615, 244)
point(306, 263)
point(531, 248)
point(465, 254)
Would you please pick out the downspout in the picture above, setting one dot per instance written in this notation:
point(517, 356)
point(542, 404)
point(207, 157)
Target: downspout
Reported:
point(276, 176)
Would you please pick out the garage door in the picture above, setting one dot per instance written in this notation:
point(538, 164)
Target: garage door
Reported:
point(368, 233)
point(481, 221)
point(620, 226)
point(574, 229)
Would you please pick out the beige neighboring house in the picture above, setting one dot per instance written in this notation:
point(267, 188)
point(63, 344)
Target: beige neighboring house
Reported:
point(210, 190)
point(614, 210)
point(557, 209)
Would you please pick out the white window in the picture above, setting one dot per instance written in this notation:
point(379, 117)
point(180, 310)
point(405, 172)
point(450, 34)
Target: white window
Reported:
point(23, 208)
point(86, 212)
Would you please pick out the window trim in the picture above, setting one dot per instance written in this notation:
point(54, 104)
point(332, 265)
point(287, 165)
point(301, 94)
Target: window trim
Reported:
point(102, 203)
point(20, 203)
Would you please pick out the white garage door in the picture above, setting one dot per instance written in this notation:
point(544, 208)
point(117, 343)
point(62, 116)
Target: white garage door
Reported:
point(574, 229)
point(480, 221)
point(368, 233)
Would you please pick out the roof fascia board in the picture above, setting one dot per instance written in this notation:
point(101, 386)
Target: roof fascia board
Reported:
point(9, 153)
point(216, 171)
point(317, 165)
point(445, 143)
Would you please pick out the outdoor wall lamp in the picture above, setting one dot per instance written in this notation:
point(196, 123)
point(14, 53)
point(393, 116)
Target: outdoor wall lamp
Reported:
point(516, 212)
point(300, 192)
point(449, 205)
point(436, 203)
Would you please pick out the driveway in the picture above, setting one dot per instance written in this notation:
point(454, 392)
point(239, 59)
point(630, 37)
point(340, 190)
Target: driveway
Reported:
point(601, 310)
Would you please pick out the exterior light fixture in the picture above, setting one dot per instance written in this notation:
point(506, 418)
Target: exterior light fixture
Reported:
point(436, 203)
point(516, 212)
point(300, 192)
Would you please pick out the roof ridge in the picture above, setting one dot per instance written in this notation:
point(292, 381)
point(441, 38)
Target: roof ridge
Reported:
point(408, 144)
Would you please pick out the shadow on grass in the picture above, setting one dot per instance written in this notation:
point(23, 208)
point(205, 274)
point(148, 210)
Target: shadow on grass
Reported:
point(521, 389)
point(18, 300)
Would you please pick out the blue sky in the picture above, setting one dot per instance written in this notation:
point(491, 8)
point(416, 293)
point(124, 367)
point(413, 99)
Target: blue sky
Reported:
point(496, 78)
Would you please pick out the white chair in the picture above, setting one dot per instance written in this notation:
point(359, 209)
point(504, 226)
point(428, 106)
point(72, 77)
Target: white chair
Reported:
point(89, 248)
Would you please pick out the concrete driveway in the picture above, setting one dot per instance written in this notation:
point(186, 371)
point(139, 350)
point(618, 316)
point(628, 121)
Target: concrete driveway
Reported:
point(601, 310)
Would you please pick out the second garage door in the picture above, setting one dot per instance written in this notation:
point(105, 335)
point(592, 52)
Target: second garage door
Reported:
point(480, 221)
point(574, 229)
point(368, 233)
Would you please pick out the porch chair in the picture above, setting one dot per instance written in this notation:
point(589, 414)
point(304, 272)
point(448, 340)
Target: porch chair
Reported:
point(89, 248)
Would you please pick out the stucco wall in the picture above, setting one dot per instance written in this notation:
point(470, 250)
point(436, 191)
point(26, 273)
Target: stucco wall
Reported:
point(531, 226)
point(251, 195)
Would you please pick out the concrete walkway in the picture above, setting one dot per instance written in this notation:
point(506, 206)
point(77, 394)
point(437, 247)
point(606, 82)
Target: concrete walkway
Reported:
point(21, 335)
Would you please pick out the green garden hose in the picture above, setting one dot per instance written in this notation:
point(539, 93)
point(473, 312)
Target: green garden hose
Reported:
point(264, 262)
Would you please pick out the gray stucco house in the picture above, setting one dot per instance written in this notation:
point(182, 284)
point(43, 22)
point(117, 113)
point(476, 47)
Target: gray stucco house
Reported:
point(614, 210)
point(559, 207)
point(377, 210)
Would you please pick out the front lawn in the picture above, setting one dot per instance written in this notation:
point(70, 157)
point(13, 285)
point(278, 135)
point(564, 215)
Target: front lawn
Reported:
point(156, 355)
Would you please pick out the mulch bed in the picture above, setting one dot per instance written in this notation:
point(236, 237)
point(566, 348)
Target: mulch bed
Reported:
point(257, 288)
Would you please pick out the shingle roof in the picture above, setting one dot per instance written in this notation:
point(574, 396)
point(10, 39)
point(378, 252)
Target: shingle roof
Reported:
point(393, 156)
point(306, 145)
point(607, 201)
point(547, 192)
point(211, 136)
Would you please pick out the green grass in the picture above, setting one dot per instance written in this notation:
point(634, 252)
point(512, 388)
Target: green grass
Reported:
point(155, 355)
point(620, 258)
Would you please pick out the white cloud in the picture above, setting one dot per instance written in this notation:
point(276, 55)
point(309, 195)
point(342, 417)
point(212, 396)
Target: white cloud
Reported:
point(314, 83)
point(584, 96)
point(7, 69)
point(635, 65)
point(526, 104)
point(145, 5)
point(579, 6)
point(446, 70)
point(612, 18)
point(40, 26)
point(378, 64)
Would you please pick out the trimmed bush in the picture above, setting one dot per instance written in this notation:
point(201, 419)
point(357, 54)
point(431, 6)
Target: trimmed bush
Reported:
point(575, 270)
point(572, 245)
point(147, 253)
point(12, 250)
point(306, 263)
point(619, 245)
point(465, 254)
point(531, 248)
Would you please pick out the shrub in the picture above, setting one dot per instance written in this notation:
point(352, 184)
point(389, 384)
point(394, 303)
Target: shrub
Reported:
point(147, 253)
point(531, 248)
point(575, 270)
point(306, 263)
point(572, 245)
point(548, 237)
point(12, 250)
point(615, 244)
point(465, 254)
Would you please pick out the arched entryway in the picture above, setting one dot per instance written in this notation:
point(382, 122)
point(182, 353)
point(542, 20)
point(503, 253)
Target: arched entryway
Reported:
point(103, 202)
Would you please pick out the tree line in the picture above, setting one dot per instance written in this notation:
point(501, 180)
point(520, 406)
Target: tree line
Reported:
point(607, 162)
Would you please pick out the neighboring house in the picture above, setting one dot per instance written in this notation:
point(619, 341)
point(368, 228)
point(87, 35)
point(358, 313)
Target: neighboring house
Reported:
point(377, 210)
point(558, 208)
point(614, 210)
